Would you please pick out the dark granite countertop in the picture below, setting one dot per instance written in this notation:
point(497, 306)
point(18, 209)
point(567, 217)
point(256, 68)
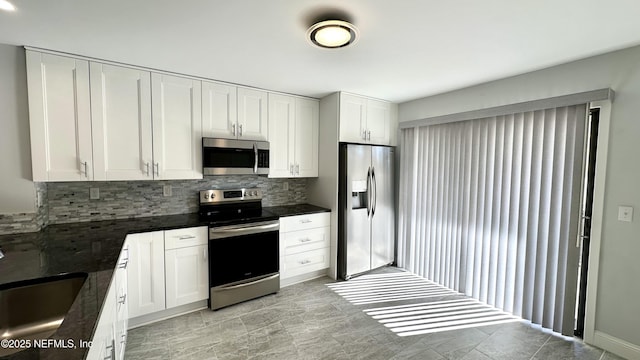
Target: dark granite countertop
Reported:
point(298, 209)
point(93, 248)
point(89, 247)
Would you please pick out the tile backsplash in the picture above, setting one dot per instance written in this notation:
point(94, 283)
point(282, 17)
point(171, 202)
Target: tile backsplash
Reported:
point(64, 202)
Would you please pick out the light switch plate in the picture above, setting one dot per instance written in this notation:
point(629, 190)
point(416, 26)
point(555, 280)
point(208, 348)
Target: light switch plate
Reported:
point(94, 193)
point(167, 191)
point(625, 213)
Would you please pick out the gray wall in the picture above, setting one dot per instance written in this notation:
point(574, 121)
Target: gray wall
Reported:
point(617, 312)
point(17, 194)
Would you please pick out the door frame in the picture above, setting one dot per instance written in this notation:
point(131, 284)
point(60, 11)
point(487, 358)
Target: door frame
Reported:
point(597, 220)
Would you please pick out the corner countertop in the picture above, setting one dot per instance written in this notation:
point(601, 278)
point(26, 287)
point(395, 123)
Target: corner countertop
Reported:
point(93, 248)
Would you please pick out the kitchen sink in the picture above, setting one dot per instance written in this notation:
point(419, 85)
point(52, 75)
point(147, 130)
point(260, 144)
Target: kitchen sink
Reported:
point(34, 309)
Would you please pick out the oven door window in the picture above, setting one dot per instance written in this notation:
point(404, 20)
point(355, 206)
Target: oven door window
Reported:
point(243, 257)
point(216, 157)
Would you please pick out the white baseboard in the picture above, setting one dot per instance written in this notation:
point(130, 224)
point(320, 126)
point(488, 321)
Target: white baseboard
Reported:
point(166, 314)
point(301, 278)
point(616, 346)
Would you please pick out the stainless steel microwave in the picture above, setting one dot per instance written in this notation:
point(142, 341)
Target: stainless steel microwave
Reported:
point(234, 157)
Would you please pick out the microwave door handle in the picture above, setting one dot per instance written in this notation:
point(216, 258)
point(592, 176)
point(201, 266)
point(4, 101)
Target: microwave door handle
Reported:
point(255, 161)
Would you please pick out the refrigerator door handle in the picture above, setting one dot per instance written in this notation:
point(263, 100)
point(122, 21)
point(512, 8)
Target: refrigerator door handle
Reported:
point(368, 191)
point(374, 195)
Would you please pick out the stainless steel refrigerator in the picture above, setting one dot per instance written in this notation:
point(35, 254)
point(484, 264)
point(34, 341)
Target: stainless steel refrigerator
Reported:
point(366, 225)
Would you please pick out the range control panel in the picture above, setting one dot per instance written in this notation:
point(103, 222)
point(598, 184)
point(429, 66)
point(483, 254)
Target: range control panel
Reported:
point(230, 195)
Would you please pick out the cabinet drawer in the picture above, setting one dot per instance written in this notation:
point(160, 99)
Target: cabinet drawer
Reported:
point(294, 242)
point(181, 238)
point(303, 222)
point(302, 263)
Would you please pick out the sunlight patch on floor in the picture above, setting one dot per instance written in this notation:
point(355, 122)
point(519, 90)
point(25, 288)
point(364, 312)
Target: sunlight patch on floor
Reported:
point(417, 318)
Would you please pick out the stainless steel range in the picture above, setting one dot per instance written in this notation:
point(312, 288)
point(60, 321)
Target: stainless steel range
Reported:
point(243, 246)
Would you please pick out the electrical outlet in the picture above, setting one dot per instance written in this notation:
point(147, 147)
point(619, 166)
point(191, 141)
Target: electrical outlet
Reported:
point(167, 191)
point(625, 213)
point(94, 193)
point(285, 186)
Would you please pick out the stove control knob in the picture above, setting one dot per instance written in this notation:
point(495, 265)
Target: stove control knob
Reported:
point(255, 193)
point(213, 196)
point(206, 196)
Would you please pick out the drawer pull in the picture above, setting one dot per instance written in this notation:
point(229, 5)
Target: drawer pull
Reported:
point(304, 262)
point(304, 240)
point(185, 237)
point(305, 221)
point(123, 265)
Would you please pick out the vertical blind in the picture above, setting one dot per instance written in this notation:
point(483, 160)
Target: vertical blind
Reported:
point(490, 208)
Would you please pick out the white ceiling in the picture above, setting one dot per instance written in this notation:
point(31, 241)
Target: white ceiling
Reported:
point(407, 48)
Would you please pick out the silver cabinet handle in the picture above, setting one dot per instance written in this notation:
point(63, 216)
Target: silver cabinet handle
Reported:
point(146, 168)
point(304, 240)
point(291, 169)
point(110, 350)
point(233, 129)
point(240, 130)
point(368, 134)
point(123, 299)
point(364, 134)
point(83, 165)
point(304, 262)
point(204, 253)
point(297, 169)
point(123, 265)
point(124, 339)
point(305, 221)
point(156, 168)
point(185, 237)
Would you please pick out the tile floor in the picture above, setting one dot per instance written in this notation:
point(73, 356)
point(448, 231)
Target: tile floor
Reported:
point(310, 321)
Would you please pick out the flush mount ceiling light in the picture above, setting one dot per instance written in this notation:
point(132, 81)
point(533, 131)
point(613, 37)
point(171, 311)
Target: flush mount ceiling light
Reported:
point(6, 5)
point(332, 34)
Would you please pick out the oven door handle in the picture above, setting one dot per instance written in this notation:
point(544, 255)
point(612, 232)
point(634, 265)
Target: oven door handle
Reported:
point(236, 230)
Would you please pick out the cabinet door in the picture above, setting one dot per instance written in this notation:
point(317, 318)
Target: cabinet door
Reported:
point(219, 110)
point(353, 118)
point(121, 122)
point(306, 137)
point(145, 273)
point(252, 114)
point(60, 118)
point(122, 303)
point(177, 127)
point(102, 343)
point(187, 275)
point(282, 114)
point(379, 122)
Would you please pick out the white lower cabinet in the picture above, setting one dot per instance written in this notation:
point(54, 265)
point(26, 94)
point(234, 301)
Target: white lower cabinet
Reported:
point(167, 269)
point(304, 244)
point(146, 273)
point(110, 338)
point(186, 275)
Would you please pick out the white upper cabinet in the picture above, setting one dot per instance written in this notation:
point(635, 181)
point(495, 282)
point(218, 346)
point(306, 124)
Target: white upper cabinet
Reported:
point(219, 110)
point(306, 137)
point(60, 118)
point(121, 119)
point(233, 112)
point(293, 136)
point(282, 126)
point(252, 114)
point(177, 127)
point(367, 121)
point(353, 118)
